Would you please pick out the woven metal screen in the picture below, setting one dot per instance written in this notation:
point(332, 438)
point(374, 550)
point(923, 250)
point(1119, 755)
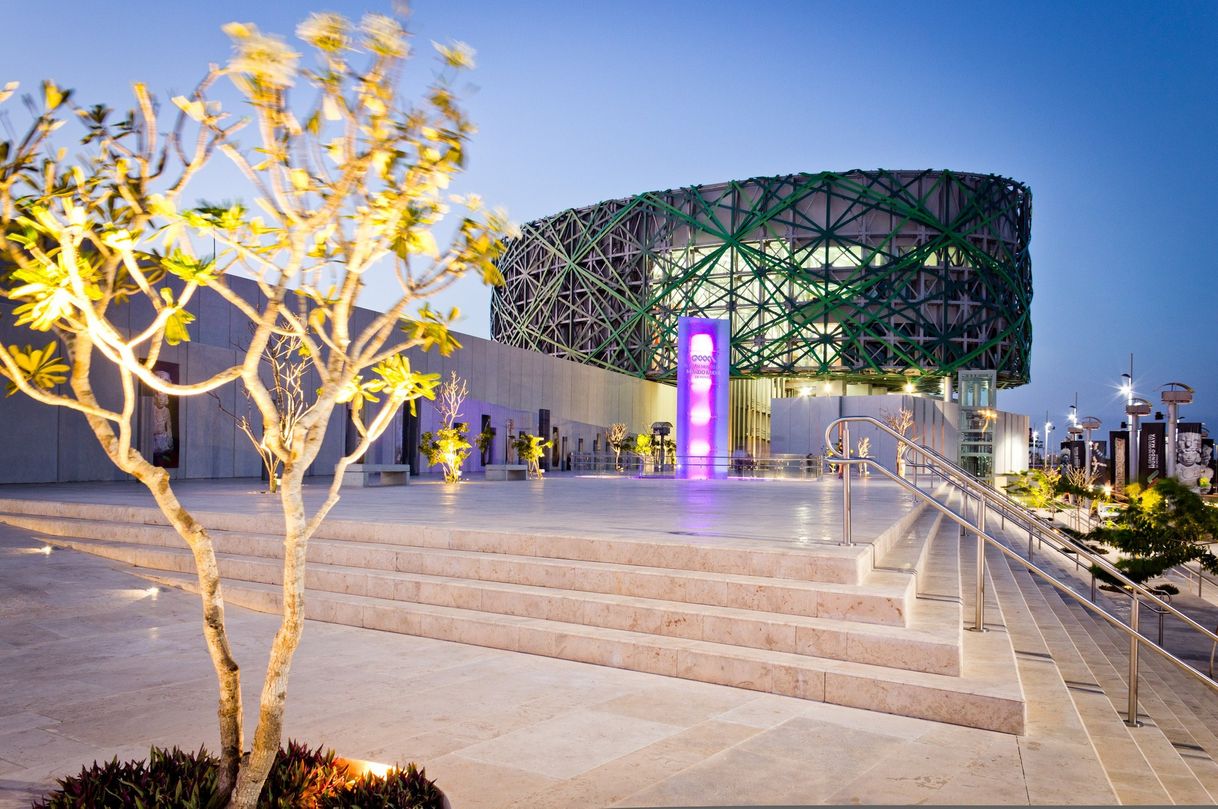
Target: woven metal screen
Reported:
point(869, 275)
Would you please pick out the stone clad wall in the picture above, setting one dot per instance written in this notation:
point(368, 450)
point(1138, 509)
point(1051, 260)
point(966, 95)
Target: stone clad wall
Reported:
point(45, 444)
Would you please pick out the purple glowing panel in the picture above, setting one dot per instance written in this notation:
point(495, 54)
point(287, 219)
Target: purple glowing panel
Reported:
point(703, 371)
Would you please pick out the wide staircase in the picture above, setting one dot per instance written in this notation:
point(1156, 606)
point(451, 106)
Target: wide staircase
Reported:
point(1167, 758)
point(876, 625)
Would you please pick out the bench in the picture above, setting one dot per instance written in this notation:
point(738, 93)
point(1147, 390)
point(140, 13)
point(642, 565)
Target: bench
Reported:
point(386, 474)
point(506, 471)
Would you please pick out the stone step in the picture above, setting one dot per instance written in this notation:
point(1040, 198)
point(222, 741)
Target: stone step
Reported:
point(1056, 732)
point(908, 554)
point(982, 697)
point(821, 561)
point(932, 644)
point(1160, 688)
point(1129, 773)
point(885, 597)
point(1172, 770)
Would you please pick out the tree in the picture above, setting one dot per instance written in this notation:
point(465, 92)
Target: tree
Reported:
point(484, 441)
point(1164, 525)
point(615, 438)
point(348, 185)
point(1038, 488)
point(449, 446)
point(530, 449)
point(287, 369)
point(900, 422)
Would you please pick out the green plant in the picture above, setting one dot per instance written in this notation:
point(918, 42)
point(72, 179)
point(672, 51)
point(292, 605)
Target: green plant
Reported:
point(530, 449)
point(300, 775)
point(447, 447)
point(397, 789)
point(1038, 489)
point(300, 778)
point(484, 441)
point(101, 247)
point(168, 779)
point(1164, 525)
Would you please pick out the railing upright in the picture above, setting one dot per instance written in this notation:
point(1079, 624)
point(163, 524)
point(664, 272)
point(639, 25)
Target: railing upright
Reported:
point(979, 622)
point(846, 472)
point(1132, 715)
point(968, 487)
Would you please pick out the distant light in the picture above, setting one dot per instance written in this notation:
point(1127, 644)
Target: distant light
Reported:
point(152, 591)
point(46, 549)
point(805, 391)
point(909, 387)
point(828, 387)
point(1108, 490)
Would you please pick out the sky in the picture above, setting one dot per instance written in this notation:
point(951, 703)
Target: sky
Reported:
point(1108, 111)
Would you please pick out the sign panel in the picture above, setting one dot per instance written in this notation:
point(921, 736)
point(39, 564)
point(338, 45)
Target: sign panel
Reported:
point(1189, 467)
point(1118, 460)
point(703, 372)
point(1152, 451)
point(1073, 454)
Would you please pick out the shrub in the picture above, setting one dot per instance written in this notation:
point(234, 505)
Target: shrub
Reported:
point(399, 789)
point(169, 778)
point(299, 775)
point(300, 778)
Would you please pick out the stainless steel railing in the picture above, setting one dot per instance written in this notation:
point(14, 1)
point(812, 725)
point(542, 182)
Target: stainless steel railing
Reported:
point(796, 467)
point(987, 499)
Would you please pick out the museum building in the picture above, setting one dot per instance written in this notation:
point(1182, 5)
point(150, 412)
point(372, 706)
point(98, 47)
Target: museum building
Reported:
point(855, 293)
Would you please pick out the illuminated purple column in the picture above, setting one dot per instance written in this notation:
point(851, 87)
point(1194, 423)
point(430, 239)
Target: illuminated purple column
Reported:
point(703, 371)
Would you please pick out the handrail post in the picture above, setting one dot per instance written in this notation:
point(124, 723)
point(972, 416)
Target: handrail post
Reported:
point(1132, 720)
point(1030, 538)
point(979, 617)
point(847, 533)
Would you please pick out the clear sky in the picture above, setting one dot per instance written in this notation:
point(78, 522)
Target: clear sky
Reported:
point(1107, 110)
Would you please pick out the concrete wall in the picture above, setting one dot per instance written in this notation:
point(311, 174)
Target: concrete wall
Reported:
point(49, 444)
point(798, 426)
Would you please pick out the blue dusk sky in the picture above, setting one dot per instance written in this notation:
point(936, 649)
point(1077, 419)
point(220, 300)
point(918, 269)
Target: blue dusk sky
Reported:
point(1107, 110)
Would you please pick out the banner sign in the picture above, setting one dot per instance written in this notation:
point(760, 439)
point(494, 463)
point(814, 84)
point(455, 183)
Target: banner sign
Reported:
point(1118, 459)
point(1152, 451)
point(1209, 461)
point(1188, 449)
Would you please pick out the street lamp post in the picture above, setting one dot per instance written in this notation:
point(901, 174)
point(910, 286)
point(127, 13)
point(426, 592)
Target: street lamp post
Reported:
point(1048, 432)
point(1135, 410)
point(1127, 389)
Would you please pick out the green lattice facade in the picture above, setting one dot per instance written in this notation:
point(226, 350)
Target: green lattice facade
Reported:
point(869, 276)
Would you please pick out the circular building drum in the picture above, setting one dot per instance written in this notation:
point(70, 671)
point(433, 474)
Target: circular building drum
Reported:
point(881, 276)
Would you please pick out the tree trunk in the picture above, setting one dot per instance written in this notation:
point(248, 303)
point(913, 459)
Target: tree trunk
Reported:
point(269, 734)
point(215, 633)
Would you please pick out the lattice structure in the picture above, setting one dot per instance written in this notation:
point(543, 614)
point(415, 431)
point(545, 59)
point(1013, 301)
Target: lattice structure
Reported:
point(877, 276)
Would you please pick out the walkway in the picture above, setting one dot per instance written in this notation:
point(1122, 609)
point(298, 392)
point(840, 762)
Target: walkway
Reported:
point(93, 666)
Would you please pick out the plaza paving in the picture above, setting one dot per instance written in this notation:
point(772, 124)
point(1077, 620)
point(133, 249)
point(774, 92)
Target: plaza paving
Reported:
point(781, 513)
point(93, 666)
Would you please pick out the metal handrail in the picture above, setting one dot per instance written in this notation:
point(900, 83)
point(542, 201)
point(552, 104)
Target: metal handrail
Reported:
point(1016, 512)
point(984, 538)
point(1199, 575)
point(967, 484)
